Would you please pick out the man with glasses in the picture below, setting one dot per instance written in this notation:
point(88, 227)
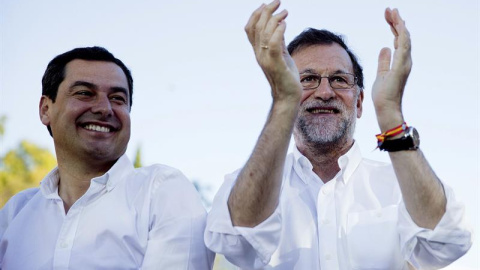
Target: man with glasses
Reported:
point(324, 206)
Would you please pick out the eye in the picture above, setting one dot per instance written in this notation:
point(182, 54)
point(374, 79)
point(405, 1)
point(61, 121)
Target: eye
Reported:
point(309, 79)
point(119, 98)
point(338, 79)
point(84, 93)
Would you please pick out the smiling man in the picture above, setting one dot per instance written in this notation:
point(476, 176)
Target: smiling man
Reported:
point(95, 210)
point(324, 206)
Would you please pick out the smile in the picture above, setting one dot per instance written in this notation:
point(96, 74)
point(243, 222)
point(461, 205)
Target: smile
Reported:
point(322, 111)
point(97, 128)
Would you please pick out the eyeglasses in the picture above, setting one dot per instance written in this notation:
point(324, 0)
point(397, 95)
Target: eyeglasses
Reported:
point(311, 81)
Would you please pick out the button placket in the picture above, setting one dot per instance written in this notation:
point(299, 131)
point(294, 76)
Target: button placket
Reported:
point(327, 236)
point(66, 238)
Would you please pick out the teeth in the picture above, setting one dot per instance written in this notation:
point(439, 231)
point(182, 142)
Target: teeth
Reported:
point(321, 111)
point(97, 128)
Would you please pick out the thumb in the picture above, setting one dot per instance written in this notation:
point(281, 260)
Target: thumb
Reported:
point(384, 59)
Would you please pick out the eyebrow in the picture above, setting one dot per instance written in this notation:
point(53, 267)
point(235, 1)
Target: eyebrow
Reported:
point(89, 85)
point(312, 71)
point(83, 83)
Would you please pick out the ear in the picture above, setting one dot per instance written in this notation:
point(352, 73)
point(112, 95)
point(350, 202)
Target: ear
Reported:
point(44, 110)
point(360, 104)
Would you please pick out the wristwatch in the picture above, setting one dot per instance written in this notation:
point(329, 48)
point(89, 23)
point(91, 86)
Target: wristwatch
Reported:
point(409, 141)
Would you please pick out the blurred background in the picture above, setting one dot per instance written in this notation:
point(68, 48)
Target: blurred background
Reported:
point(200, 100)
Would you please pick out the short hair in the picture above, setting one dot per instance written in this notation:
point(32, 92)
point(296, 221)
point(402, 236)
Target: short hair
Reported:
point(312, 36)
point(55, 72)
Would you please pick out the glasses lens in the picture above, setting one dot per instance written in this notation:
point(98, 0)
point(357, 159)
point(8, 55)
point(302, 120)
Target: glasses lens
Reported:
point(310, 81)
point(341, 81)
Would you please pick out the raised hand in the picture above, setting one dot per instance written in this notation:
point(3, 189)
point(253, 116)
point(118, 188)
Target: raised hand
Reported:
point(392, 76)
point(265, 32)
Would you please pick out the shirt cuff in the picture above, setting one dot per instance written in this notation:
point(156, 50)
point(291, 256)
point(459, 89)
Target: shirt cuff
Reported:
point(449, 240)
point(256, 244)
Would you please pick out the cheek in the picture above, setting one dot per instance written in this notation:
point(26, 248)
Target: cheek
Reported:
point(306, 95)
point(124, 115)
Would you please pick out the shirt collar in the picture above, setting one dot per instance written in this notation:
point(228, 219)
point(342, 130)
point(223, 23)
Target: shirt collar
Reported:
point(49, 184)
point(112, 177)
point(347, 163)
point(123, 166)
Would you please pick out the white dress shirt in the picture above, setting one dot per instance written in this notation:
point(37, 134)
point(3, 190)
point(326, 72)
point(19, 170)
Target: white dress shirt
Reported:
point(355, 221)
point(145, 218)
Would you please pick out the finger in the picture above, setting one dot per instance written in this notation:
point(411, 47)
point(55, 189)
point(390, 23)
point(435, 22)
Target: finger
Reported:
point(402, 55)
point(272, 25)
point(384, 61)
point(277, 41)
point(389, 19)
point(250, 27)
point(264, 18)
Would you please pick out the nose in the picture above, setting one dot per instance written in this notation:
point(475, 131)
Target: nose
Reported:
point(102, 106)
point(324, 91)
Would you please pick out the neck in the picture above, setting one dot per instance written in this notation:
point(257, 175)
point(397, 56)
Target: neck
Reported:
point(324, 156)
point(75, 177)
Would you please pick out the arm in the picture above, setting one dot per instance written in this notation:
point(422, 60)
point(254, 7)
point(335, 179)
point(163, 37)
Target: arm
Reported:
point(422, 191)
point(176, 225)
point(255, 194)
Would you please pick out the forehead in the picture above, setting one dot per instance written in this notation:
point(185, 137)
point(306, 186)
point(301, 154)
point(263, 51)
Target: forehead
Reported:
point(96, 72)
point(323, 59)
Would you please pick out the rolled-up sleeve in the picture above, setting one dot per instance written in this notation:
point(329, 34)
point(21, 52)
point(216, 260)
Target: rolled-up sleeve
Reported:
point(437, 248)
point(248, 248)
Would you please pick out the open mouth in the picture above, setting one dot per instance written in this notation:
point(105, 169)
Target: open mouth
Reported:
point(323, 110)
point(97, 128)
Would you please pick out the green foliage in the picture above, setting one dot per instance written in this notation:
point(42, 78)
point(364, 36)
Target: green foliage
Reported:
point(23, 167)
point(3, 118)
point(138, 158)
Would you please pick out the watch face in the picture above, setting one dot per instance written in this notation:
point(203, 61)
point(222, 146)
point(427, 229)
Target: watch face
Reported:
point(413, 133)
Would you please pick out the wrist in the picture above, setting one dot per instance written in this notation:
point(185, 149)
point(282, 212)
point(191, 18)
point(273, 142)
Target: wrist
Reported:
point(388, 121)
point(285, 107)
point(392, 134)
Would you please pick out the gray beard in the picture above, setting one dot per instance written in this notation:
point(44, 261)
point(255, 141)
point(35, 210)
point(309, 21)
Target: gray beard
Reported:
point(324, 135)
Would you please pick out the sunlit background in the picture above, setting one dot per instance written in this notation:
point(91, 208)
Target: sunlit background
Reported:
point(200, 100)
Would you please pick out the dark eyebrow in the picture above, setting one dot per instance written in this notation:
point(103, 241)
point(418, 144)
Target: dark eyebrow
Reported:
point(312, 71)
point(83, 83)
point(89, 85)
point(308, 70)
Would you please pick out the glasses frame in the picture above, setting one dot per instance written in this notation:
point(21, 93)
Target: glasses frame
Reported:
point(355, 80)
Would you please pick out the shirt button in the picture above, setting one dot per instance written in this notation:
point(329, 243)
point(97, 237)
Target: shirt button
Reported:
point(379, 214)
point(328, 257)
point(325, 221)
point(325, 191)
point(63, 245)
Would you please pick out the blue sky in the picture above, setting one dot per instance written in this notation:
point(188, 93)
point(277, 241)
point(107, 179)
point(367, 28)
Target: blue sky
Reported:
point(200, 100)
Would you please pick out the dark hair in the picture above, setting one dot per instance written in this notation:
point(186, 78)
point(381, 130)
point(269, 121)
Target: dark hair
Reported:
point(55, 72)
point(311, 36)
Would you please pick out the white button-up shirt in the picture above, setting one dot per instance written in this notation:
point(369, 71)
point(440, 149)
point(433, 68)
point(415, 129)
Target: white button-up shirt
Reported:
point(355, 221)
point(146, 218)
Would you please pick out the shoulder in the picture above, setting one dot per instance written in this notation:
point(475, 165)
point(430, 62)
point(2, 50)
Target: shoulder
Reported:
point(167, 181)
point(19, 200)
point(15, 205)
point(162, 174)
point(378, 174)
point(172, 193)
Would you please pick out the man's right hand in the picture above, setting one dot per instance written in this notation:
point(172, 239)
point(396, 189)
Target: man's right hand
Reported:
point(265, 32)
point(256, 192)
